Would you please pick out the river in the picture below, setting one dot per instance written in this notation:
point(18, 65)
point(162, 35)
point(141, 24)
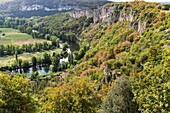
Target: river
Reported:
point(45, 69)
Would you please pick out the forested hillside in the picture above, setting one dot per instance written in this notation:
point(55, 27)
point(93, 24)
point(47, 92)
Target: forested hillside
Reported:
point(122, 65)
point(28, 8)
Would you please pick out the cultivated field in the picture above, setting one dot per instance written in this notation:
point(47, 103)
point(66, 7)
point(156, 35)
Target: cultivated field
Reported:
point(13, 36)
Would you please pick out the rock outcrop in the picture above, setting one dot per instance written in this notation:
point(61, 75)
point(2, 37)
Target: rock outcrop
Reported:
point(112, 14)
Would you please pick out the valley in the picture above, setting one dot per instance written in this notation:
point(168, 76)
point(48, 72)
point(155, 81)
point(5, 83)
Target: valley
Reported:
point(109, 59)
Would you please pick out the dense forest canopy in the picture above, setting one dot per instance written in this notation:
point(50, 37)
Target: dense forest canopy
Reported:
point(122, 65)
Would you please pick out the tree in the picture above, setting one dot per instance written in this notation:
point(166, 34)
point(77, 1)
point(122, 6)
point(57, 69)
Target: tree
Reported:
point(78, 96)
point(2, 49)
point(151, 86)
point(29, 30)
point(65, 46)
point(53, 39)
point(1, 22)
point(72, 37)
point(119, 100)
point(39, 61)
point(20, 63)
point(21, 28)
point(35, 35)
point(15, 95)
point(46, 58)
point(16, 56)
point(80, 53)
point(34, 61)
point(55, 63)
point(47, 37)
point(45, 45)
point(70, 58)
point(57, 42)
point(25, 64)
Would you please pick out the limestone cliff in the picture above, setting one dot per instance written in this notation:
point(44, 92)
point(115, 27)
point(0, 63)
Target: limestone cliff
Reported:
point(111, 14)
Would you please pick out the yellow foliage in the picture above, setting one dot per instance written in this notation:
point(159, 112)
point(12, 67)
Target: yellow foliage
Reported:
point(162, 14)
point(157, 24)
point(76, 96)
point(122, 55)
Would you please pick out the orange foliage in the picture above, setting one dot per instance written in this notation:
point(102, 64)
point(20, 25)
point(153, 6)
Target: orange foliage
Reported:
point(111, 61)
point(102, 66)
point(169, 19)
point(82, 67)
point(162, 14)
point(156, 9)
point(157, 24)
point(91, 32)
point(122, 54)
point(88, 72)
point(116, 49)
point(108, 29)
point(102, 56)
point(86, 57)
point(126, 44)
point(132, 36)
point(136, 39)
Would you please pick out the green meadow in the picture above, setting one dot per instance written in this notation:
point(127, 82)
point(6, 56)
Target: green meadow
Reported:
point(13, 36)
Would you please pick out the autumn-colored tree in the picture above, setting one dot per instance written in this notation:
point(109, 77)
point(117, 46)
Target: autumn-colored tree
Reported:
point(78, 96)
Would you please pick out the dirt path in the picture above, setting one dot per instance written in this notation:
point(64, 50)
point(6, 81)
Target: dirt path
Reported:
point(25, 41)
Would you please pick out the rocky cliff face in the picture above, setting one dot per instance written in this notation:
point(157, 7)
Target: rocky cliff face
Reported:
point(112, 14)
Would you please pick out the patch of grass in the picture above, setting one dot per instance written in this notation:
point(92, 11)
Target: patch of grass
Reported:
point(13, 36)
point(6, 29)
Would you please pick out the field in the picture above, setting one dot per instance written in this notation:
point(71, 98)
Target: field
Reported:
point(8, 60)
point(13, 36)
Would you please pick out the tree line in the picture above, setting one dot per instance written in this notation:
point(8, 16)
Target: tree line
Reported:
point(11, 49)
point(46, 59)
point(78, 95)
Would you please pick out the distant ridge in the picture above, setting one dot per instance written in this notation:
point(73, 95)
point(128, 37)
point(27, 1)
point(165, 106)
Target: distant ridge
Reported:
point(28, 8)
point(165, 2)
